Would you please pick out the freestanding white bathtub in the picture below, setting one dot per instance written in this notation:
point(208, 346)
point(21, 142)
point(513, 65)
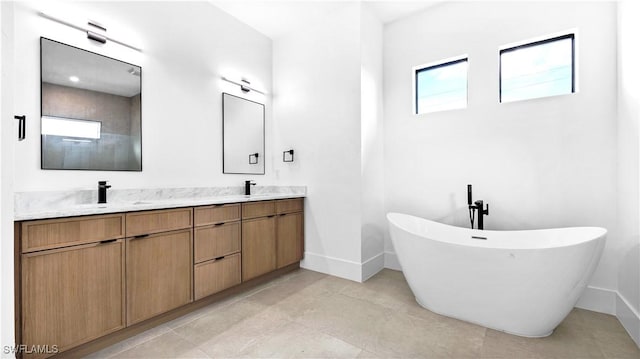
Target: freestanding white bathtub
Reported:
point(520, 282)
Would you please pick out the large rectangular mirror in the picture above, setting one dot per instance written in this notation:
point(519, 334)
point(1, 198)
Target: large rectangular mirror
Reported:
point(91, 110)
point(243, 135)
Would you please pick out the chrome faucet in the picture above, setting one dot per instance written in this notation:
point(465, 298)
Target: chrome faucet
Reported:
point(247, 187)
point(102, 191)
point(477, 205)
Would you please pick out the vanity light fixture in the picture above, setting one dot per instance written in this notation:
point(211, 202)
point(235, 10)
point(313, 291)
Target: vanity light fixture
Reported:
point(94, 30)
point(288, 158)
point(244, 85)
point(74, 78)
point(100, 37)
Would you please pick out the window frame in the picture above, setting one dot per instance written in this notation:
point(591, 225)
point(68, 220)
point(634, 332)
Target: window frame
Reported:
point(569, 35)
point(434, 65)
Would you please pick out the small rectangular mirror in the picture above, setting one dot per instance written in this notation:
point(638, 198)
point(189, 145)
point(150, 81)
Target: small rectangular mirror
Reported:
point(91, 110)
point(242, 135)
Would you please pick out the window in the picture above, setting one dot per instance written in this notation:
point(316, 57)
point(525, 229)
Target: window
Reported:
point(538, 69)
point(441, 87)
point(66, 127)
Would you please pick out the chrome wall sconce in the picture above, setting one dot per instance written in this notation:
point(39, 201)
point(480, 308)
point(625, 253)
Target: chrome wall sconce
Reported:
point(94, 31)
point(253, 158)
point(287, 156)
point(244, 84)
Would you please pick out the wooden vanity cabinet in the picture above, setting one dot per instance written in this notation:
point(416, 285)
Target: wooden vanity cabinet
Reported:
point(272, 235)
point(81, 278)
point(75, 293)
point(159, 264)
point(217, 247)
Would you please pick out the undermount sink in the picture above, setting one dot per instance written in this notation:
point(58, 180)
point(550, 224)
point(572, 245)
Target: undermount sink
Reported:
point(111, 204)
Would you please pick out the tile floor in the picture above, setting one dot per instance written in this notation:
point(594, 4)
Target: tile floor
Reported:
point(306, 314)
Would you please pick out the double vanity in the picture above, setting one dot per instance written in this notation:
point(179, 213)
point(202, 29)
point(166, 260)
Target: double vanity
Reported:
point(89, 273)
point(85, 281)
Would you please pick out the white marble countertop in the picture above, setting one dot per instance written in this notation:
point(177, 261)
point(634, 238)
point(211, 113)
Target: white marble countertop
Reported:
point(43, 205)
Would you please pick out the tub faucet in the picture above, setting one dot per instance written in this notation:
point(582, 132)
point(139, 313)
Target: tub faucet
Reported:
point(477, 205)
point(247, 187)
point(102, 191)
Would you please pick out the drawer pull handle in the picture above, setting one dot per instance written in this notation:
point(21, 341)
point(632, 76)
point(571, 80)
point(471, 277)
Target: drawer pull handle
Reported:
point(283, 214)
point(219, 258)
point(140, 236)
point(219, 224)
point(108, 241)
point(271, 216)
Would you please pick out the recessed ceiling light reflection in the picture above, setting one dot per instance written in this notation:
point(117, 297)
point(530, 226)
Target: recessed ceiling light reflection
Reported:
point(74, 78)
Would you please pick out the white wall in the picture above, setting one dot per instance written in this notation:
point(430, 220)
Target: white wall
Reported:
point(316, 71)
point(372, 170)
point(7, 139)
point(186, 47)
point(540, 163)
point(628, 306)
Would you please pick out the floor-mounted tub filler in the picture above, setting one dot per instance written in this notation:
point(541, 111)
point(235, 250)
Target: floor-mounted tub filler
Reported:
point(520, 282)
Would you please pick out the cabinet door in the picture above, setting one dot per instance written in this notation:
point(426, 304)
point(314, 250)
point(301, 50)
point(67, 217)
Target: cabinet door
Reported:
point(258, 247)
point(159, 270)
point(290, 238)
point(72, 295)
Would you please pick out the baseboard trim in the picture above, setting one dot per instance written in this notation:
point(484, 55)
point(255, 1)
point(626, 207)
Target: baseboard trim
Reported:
point(628, 317)
point(391, 261)
point(372, 266)
point(336, 267)
point(598, 300)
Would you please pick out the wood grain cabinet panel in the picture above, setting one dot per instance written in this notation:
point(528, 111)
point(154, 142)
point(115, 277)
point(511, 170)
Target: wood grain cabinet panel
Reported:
point(216, 214)
point(289, 205)
point(215, 241)
point(258, 209)
point(216, 275)
point(258, 247)
point(290, 238)
point(159, 274)
point(148, 222)
point(55, 233)
point(72, 295)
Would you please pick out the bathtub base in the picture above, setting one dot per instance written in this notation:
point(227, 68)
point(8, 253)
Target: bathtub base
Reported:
point(482, 325)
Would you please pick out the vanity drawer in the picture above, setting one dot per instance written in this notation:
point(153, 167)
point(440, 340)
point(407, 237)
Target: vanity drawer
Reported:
point(216, 214)
point(214, 276)
point(258, 209)
point(216, 241)
point(149, 222)
point(53, 233)
point(289, 205)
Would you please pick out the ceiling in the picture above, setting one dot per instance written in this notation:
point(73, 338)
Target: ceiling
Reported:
point(275, 18)
point(60, 62)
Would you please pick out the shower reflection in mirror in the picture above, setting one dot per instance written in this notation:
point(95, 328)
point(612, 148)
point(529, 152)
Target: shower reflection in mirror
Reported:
point(90, 110)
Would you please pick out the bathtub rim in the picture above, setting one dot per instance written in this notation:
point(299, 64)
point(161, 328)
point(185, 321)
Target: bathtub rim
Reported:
point(601, 233)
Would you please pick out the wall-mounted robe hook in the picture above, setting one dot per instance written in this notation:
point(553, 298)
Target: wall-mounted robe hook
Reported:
point(289, 157)
point(253, 158)
point(22, 127)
